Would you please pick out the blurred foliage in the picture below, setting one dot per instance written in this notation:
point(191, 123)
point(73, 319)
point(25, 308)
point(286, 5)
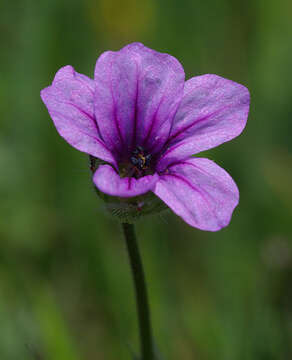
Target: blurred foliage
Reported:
point(65, 287)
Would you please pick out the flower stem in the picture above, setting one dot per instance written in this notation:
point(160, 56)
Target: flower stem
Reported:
point(141, 292)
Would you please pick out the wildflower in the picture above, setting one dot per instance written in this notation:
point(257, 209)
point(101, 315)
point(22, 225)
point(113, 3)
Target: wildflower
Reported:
point(144, 122)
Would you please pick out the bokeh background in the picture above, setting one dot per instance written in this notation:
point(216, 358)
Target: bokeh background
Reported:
point(65, 286)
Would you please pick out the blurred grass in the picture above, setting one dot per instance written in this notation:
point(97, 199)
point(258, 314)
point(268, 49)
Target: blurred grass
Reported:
point(65, 287)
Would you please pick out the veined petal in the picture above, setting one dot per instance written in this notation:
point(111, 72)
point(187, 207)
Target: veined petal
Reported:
point(213, 110)
point(109, 182)
point(69, 101)
point(200, 192)
point(138, 91)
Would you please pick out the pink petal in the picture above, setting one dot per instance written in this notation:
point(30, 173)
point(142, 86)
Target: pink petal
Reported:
point(213, 110)
point(109, 182)
point(200, 192)
point(138, 91)
point(69, 101)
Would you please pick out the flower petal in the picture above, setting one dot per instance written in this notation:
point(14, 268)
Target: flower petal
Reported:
point(69, 101)
point(138, 91)
point(213, 110)
point(109, 182)
point(200, 192)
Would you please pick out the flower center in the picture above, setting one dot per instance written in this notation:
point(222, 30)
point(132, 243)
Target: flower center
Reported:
point(140, 159)
point(138, 165)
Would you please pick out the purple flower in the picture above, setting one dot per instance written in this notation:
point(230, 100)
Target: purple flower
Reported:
point(144, 121)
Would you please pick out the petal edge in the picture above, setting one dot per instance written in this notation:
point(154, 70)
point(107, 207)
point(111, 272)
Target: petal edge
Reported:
point(200, 192)
point(109, 182)
point(213, 110)
point(69, 101)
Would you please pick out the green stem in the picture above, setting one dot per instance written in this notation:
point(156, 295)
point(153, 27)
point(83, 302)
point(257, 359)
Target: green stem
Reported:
point(141, 292)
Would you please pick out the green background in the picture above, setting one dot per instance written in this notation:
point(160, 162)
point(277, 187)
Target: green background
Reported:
point(65, 286)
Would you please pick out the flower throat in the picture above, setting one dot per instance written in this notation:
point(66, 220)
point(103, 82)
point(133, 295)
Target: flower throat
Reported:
point(138, 165)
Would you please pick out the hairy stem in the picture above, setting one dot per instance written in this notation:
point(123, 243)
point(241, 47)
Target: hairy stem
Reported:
point(141, 292)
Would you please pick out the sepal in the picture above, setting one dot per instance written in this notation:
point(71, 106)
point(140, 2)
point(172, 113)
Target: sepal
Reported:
point(128, 209)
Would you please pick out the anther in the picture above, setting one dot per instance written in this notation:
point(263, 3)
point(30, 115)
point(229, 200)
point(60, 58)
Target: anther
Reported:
point(140, 159)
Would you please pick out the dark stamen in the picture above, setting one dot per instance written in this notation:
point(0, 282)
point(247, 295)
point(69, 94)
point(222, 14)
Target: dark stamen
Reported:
point(140, 159)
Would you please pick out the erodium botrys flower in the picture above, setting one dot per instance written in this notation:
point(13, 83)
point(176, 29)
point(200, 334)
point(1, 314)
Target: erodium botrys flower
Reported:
point(144, 122)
